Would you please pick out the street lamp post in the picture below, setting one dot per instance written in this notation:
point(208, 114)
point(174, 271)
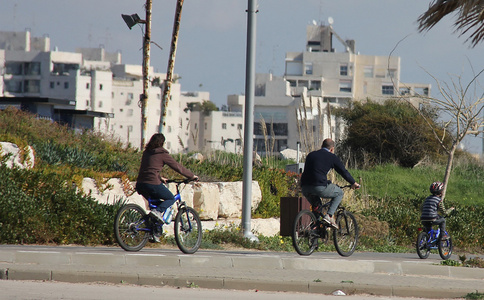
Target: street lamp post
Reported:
point(132, 20)
point(146, 66)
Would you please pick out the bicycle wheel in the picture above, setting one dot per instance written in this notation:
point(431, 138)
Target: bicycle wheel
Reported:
point(423, 250)
point(445, 248)
point(130, 227)
point(303, 238)
point(188, 230)
point(345, 237)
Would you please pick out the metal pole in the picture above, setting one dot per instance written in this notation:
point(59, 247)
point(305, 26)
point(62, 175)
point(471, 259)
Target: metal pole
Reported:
point(146, 65)
point(171, 65)
point(249, 120)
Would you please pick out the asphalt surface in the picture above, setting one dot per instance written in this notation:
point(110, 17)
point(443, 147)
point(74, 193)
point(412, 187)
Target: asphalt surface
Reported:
point(399, 275)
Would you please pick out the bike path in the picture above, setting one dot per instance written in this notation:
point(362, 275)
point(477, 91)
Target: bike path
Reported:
point(403, 275)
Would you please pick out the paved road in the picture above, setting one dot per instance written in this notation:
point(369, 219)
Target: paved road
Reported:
point(389, 275)
point(30, 290)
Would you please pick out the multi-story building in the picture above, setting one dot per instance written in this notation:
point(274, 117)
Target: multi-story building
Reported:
point(297, 106)
point(89, 89)
point(93, 89)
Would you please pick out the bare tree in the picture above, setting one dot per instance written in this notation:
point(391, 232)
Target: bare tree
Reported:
point(464, 107)
point(470, 16)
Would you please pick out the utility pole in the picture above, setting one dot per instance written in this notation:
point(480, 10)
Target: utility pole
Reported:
point(249, 121)
point(171, 65)
point(146, 66)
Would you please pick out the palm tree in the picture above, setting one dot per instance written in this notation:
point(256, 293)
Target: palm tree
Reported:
point(470, 16)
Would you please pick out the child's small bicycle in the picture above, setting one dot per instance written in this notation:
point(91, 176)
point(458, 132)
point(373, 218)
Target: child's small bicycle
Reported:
point(431, 240)
point(133, 227)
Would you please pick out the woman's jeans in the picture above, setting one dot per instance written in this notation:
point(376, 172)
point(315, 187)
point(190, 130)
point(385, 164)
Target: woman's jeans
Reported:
point(154, 191)
point(314, 194)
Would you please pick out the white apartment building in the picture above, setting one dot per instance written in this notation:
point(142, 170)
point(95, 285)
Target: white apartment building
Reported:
point(93, 89)
point(89, 89)
point(297, 106)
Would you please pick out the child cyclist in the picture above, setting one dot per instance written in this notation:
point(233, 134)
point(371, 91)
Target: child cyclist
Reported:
point(430, 208)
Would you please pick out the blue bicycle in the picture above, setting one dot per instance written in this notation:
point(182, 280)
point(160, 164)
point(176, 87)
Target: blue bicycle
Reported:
point(431, 240)
point(133, 227)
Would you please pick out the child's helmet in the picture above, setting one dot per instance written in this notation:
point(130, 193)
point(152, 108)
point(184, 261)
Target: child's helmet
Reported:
point(436, 187)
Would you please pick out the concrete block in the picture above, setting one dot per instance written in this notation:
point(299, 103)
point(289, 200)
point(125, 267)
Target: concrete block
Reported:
point(205, 261)
point(152, 260)
point(42, 257)
point(25, 274)
point(98, 259)
point(265, 262)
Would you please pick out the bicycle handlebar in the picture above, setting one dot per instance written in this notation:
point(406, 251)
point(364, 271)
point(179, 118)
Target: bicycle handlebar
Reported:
point(185, 181)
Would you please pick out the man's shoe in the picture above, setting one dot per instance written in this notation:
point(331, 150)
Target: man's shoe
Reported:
point(157, 215)
point(330, 221)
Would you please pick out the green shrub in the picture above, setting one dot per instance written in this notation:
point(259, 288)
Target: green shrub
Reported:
point(43, 208)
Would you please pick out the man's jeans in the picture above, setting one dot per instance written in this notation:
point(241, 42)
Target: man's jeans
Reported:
point(156, 192)
point(332, 191)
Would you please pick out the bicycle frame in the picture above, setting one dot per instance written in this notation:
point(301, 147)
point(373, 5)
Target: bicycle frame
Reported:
point(434, 238)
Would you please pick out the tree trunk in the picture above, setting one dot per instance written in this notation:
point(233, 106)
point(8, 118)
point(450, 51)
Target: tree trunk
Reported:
point(448, 169)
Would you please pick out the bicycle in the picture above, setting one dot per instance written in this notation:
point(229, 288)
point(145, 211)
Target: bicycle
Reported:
point(307, 231)
point(427, 241)
point(133, 227)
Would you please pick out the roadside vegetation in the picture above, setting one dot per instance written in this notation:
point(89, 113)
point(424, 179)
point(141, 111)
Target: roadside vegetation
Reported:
point(43, 205)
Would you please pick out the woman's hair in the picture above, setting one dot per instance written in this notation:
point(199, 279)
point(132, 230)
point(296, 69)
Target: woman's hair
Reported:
point(156, 141)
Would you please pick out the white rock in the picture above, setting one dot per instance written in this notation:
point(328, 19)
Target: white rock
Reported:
point(206, 199)
point(15, 158)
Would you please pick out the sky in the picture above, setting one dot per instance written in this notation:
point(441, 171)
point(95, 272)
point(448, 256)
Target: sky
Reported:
point(211, 53)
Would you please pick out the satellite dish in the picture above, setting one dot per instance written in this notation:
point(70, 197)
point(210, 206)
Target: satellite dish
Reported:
point(330, 21)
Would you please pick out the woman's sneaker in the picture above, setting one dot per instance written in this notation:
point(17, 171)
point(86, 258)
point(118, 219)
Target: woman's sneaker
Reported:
point(156, 214)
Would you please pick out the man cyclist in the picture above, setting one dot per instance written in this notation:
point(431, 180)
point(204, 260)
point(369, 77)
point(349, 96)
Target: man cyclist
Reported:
point(315, 184)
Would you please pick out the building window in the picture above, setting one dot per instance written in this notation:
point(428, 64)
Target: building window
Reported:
point(345, 86)
point(100, 87)
point(272, 129)
point(303, 83)
point(130, 128)
point(239, 126)
point(315, 85)
point(13, 86)
point(308, 68)
point(100, 104)
point(13, 68)
point(387, 89)
point(343, 70)
point(87, 86)
point(195, 125)
point(130, 96)
point(169, 129)
point(52, 84)
point(87, 102)
point(224, 125)
point(368, 71)
point(130, 113)
point(66, 85)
